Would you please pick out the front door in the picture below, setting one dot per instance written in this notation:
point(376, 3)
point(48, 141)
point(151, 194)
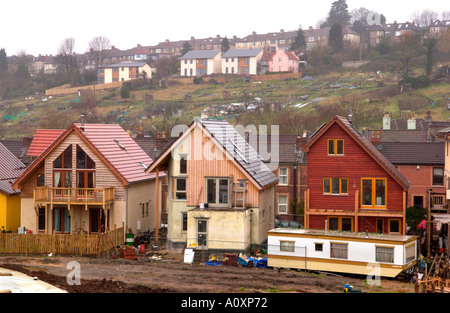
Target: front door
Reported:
point(202, 233)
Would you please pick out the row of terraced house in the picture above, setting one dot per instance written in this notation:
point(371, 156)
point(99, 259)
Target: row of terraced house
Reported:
point(216, 186)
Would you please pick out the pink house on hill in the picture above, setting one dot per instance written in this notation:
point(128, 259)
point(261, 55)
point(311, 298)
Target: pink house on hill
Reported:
point(283, 61)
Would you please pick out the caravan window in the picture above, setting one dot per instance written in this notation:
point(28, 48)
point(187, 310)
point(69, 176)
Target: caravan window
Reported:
point(385, 254)
point(287, 246)
point(338, 250)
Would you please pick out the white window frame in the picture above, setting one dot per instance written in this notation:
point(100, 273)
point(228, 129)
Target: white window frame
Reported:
point(279, 204)
point(285, 176)
point(175, 190)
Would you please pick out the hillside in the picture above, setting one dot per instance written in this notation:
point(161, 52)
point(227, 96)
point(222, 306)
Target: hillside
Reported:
point(295, 105)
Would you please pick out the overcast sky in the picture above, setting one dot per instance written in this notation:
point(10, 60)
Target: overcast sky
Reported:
point(38, 27)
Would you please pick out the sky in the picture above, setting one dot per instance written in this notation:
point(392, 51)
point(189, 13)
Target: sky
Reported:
point(39, 27)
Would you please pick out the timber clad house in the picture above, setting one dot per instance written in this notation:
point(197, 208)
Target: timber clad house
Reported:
point(220, 192)
point(351, 185)
point(90, 179)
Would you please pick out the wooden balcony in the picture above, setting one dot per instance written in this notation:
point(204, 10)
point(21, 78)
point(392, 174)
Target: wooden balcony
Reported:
point(74, 196)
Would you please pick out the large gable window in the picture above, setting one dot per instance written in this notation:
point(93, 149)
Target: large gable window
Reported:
point(64, 160)
point(85, 171)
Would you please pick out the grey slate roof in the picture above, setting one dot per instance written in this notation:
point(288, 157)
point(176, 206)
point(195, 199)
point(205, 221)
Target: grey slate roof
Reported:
point(10, 168)
point(200, 54)
point(415, 153)
point(124, 64)
point(242, 151)
point(236, 53)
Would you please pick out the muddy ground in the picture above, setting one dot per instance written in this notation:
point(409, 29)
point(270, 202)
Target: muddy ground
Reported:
point(167, 273)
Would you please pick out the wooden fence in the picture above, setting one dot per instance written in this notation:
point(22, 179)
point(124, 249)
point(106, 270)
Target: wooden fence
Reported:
point(81, 244)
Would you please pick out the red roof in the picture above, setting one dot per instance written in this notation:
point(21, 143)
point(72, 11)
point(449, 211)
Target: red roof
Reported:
point(41, 140)
point(112, 144)
point(119, 149)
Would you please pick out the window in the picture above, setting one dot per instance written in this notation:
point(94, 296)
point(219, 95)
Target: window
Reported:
point(183, 164)
point(418, 201)
point(143, 209)
point(283, 176)
point(318, 247)
point(335, 186)
point(338, 250)
point(217, 191)
point(384, 254)
point(373, 192)
point(180, 188)
point(41, 226)
point(184, 220)
point(146, 209)
point(64, 160)
point(40, 180)
point(282, 204)
point(410, 253)
point(287, 246)
point(335, 147)
point(394, 226)
point(438, 176)
point(340, 223)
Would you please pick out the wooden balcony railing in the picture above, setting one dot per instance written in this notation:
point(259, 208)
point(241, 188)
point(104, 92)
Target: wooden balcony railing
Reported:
point(52, 195)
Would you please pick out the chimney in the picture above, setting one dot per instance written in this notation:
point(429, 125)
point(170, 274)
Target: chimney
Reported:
point(282, 31)
point(26, 141)
point(387, 121)
point(431, 133)
point(167, 40)
point(218, 36)
point(192, 38)
point(310, 28)
point(254, 33)
point(428, 117)
point(411, 123)
point(82, 122)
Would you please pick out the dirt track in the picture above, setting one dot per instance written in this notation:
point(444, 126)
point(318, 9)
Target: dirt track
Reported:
point(170, 275)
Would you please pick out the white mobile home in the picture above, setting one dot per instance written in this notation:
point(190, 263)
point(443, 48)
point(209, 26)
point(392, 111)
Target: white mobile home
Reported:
point(344, 252)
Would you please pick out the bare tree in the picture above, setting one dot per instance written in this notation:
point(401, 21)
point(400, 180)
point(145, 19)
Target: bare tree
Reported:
point(67, 58)
point(424, 18)
point(99, 49)
point(445, 15)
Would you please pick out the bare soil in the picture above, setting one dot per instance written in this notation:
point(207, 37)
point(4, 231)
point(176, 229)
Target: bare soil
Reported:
point(167, 273)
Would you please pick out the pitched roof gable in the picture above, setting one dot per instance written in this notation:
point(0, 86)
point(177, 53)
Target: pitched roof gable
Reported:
point(365, 144)
point(240, 152)
point(112, 144)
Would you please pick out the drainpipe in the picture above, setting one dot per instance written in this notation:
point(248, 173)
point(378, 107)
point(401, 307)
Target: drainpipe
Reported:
point(126, 207)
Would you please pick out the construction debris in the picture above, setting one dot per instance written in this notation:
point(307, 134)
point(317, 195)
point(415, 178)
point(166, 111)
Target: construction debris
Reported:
point(436, 278)
point(128, 252)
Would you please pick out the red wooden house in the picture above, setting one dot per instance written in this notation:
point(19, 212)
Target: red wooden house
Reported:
point(351, 185)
